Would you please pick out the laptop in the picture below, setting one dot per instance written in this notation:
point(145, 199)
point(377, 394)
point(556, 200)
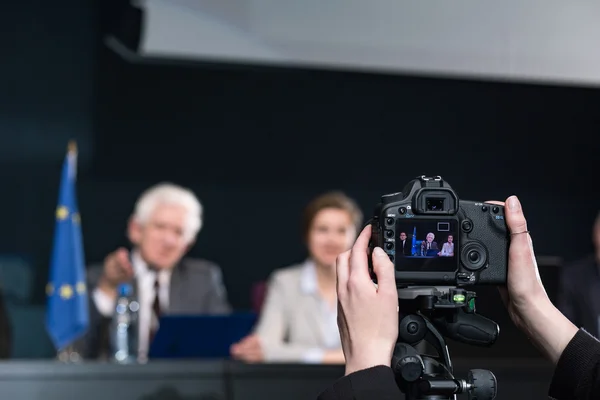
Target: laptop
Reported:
point(202, 336)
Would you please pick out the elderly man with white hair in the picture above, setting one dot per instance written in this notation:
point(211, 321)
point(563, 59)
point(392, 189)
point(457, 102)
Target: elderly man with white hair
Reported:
point(162, 229)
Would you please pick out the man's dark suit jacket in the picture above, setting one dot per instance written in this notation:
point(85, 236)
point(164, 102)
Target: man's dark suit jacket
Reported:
point(196, 288)
point(579, 294)
point(407, 249)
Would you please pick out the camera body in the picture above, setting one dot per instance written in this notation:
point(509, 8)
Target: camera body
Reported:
point(434, 238)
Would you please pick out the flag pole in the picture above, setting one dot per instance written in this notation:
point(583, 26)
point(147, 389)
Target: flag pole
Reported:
point(72, 147)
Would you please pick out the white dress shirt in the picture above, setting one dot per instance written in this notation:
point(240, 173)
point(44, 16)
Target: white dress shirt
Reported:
point(332, 341)
point(145, 279)
point(447, 249)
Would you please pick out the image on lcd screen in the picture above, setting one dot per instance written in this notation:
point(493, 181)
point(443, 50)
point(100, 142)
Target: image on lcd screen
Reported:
point(426, 245)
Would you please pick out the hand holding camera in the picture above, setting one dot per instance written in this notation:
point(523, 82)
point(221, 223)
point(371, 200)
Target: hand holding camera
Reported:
point(490, 245)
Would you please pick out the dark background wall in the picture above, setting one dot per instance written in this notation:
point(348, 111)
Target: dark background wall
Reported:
point(257, 143)
point(48, 52)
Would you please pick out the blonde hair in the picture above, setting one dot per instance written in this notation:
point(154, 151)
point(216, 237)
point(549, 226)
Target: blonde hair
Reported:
point(333, 199)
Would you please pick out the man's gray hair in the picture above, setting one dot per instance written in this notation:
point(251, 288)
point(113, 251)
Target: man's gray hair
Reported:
point(170, 194)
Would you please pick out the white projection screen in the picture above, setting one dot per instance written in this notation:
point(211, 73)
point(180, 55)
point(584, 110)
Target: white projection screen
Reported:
point(547, 40)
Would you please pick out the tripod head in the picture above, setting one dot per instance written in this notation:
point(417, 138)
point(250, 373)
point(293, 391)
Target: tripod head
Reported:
point(428, 314)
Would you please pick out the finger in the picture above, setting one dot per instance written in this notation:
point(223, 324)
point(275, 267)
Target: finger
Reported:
point(517, 226)
point(249, 355)
point(342, 271)
point(242, 345)
point(496, 202)
point(123, 262)
point(384, 269)
point(359, 263)
point(234, 350)
point(521, 253)
point(515, 219)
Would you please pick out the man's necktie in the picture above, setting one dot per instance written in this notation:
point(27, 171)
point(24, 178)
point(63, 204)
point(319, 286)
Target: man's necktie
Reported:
point(155, 309)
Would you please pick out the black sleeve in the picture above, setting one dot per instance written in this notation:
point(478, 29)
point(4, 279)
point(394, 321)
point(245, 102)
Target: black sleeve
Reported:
point(368, 384)
point(577, 373)
point(5, 331)
point(566, 296)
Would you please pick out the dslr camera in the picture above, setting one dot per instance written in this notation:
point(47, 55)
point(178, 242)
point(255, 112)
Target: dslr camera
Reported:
point(434, 238)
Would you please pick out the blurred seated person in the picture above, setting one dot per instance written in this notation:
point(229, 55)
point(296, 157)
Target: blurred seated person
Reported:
point(299, 317)
point(579, 288)
point(428, 246)
point(448, 247)
point(162, 230)
point(5, 330)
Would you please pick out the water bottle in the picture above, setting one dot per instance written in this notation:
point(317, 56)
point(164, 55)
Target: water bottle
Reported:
point(124, 326)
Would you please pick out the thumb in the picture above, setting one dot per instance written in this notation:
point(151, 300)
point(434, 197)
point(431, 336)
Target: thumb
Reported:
point(384, 269)
point(517, 226)
point(515, 219)
point(520, 253)
point(122, 257)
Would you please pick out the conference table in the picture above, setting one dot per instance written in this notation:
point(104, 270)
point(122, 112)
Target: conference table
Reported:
point(225, 380)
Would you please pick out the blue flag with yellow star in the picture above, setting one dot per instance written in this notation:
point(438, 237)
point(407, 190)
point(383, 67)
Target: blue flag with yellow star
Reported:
point(67, 314)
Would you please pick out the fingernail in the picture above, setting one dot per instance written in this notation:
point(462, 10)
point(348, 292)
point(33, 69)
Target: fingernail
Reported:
point(514, 204)
point(378, 252)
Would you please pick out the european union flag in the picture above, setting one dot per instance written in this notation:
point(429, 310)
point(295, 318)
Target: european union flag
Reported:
point(67, 314)
point(414, 241)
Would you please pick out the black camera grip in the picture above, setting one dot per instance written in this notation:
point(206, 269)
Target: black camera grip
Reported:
point(471, 328)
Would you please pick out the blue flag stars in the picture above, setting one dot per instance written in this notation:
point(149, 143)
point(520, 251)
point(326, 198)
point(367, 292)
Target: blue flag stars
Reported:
point(67, 314)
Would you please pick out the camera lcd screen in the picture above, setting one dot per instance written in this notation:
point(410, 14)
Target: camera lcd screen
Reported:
point(428, 245)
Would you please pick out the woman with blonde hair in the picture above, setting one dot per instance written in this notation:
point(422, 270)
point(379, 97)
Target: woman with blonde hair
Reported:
point(298, 321)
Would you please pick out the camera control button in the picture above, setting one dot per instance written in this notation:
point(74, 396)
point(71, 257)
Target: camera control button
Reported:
point(465, 277)
point(412, 328)
point(467, 226)
point(391, 257)
point(389, 246)
point(402, 210)
point(462, 276)
point(473, 256)
point(389, 221)
point(484, 208)
point(389, 233)
point(495, 209)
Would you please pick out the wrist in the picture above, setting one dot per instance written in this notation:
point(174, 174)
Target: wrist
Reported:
point(354, 367)
point(548, 329)
point(333, 357)
point(106, 286)
point(368, 359)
